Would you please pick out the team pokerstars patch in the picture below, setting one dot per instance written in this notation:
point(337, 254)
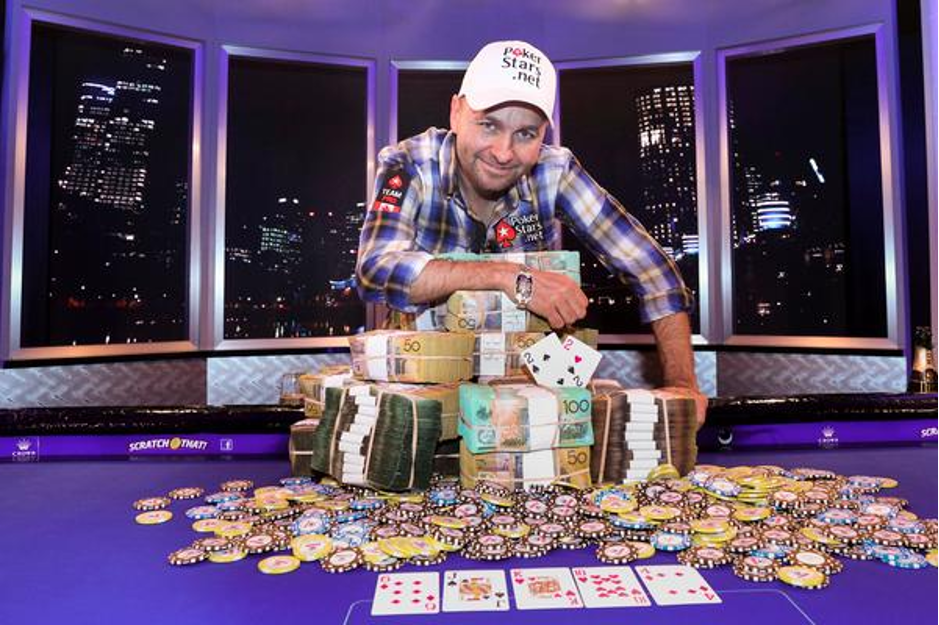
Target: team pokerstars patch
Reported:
point(391, 193)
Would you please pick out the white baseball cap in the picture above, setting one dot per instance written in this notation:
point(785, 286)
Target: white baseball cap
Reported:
point(510, 71)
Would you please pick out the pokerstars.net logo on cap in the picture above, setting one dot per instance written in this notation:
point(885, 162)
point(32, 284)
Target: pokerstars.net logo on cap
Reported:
point(395, 182)
point(523, 64)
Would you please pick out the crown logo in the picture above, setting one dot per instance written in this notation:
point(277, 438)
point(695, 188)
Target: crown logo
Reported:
point(24, 444)
point(828, 432)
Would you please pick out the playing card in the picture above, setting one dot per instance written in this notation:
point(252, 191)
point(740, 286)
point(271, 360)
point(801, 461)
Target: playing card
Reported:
point(471, 591)
point(610, 587)
point(578, 363)
point(406, 593)
point(676, 585)
point(538, 589)
point(543, 360)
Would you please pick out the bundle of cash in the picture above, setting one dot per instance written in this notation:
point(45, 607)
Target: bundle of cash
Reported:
point(637, 430)
point(490, 311)
point(402, 356)
point(313, 387)
point(522, 470)
point(377, 436)
point(523, 417)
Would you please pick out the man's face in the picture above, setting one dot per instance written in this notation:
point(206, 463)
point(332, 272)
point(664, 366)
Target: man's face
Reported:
point(496, 147)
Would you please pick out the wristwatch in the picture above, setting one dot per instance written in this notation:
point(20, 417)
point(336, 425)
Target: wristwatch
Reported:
point(524, 288)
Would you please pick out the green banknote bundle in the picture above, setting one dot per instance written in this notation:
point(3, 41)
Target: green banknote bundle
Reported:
point(377, 436)
point(522, 470)
point(637, 430)
point(416, 357)
point(524, 417)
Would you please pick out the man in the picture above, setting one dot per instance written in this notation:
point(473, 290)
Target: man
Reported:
point(490, 184)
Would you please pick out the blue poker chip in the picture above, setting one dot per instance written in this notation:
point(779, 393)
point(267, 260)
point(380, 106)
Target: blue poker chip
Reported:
point(202, 512)
point(669, 541)
point(311, 524)
point(621, 523)
point(443, 497)
point(908, 560)
point(353, 515)
point(222, 496)
point(297, 480)
point(772, 552)
point(835, 516)
point(883, 552)
point(367, 503)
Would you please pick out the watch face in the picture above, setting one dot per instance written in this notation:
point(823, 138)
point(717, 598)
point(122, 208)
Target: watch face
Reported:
point(523, 286)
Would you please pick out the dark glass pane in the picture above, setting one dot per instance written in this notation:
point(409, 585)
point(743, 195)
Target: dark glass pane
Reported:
point(807, 211)
point(294, 198)
point(633, 129)
point(107, 190)
point(424, 99)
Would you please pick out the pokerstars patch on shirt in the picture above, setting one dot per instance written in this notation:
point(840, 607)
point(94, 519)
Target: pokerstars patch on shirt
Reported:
point(392, 191)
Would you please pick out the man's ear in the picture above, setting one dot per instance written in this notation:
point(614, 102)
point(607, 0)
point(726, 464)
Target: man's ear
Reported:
point(456, 105)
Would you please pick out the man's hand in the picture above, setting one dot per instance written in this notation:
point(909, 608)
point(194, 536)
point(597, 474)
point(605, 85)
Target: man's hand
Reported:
point(700, 400)
point(557, 298)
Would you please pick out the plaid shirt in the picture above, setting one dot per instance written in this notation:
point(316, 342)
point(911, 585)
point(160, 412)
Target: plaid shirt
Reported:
point(430, 217)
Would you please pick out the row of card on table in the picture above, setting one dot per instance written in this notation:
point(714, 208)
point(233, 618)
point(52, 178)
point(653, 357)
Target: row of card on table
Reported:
point(540, 588)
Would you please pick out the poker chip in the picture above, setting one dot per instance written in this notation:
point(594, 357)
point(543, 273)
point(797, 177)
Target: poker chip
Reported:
point(705, 557)
point(931, 557)
point(186, 556)
point(278, 565)
point(202, 512)
point(153, 517)
point(802, 577)
point(816, 560)
point(207, 526)
point(186, 492)
point(233, 553)
point(667, 541)
point(211, 543)
point(151, 503)
point(342, 560)
point(237, 486)
point(233, 529)
point(616, 553)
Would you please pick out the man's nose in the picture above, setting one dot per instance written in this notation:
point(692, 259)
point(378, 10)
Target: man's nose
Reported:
point(502, 149)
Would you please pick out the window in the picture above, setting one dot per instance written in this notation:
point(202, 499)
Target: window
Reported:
point(806, 195)
point(423, 96)
point(633, 129)
point(296, 175)
point(107, 190)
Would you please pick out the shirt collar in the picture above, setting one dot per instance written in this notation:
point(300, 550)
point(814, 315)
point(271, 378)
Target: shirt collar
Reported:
point(521, 191)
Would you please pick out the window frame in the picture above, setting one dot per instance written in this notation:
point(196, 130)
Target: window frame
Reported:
point(214, 323)
point(706, 225)
point(15, 114)
point(895, 278)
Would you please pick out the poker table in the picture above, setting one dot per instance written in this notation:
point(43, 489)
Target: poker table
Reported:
point(72, 553)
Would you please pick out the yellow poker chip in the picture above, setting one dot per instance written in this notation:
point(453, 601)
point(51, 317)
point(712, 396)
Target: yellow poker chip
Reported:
point(452, 522)
point(278, 565)
point(802, 576)
point(334, 505)
point(270, 503)
point(442, 546)
point(618, 505)
point(421, 546)
point(306, 497)
point(395, 547)
point(223, 556)
point(502, 502)
point(153, 517)
point(311, 547)
point(887, 482)
point(663, 471)
point(710, 525)
point(931, 556)
point(659, 513)
point(643, 550)
point(231, 529)
point(756, 513)
point(207, 525)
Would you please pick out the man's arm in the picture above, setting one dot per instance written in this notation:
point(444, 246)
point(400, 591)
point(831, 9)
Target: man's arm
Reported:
point(555, 297)
point(673, 340)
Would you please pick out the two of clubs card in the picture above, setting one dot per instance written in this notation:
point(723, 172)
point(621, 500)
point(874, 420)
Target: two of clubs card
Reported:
point(554, 362)
point(540, 589)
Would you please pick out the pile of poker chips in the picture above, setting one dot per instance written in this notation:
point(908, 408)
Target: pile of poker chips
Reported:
point(766, 523)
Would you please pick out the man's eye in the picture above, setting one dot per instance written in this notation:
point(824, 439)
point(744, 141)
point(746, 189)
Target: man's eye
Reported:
point(488, 126)
point(527, 135)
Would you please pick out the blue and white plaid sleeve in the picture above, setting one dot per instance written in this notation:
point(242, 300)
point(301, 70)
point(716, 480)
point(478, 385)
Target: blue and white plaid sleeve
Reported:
point(388, 261)
point(622, 244)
